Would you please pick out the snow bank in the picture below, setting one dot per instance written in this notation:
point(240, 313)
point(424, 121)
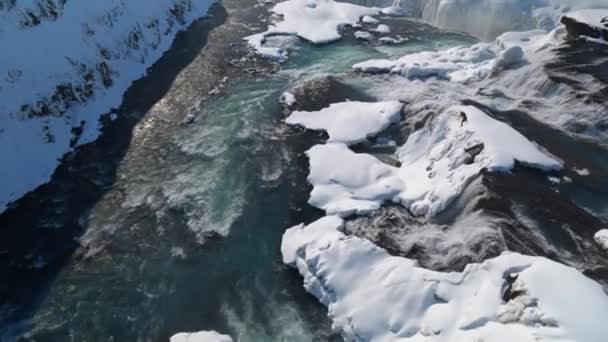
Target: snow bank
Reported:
point(317, 21)
point(350, 122)
point(437, 163)
point(66, 65)
point(592, 17)
point(459, 64)
point(372, 296)
point(201, 336)
point(601, 237)
point(442, 158)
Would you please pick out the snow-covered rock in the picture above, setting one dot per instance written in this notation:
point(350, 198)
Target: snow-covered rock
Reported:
point(288, 99)
point(373, 296)
point(592, 23)
point(350, 122)
point(601, 237)
point(316, 21)
point(437, 163)
point(200, 336)
point(346, 183)
point(64, 64)
point(364, 35)
point(368, 19)
point(383, 28)
point(459, 64)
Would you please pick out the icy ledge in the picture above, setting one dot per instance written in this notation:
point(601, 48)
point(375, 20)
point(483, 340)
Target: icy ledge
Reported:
point(372, 296)
point(350, 122)
point(314, 20)
point(437, 162)
point(201, 336)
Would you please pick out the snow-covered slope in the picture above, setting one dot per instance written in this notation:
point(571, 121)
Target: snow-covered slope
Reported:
point(65, 63)
point(373, 296)
point(437, 163)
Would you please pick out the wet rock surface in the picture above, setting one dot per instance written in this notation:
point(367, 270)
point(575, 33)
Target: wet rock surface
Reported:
point(319, 92)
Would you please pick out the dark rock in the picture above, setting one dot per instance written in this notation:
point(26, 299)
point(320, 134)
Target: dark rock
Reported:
point(320, 92)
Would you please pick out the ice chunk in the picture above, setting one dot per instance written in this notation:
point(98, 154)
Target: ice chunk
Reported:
point(350, 122)
point(373, 296)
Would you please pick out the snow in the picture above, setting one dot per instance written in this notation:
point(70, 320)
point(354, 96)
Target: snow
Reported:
point(437, 162)
point(582, 172)
point(288, 99)
point(316, 21)
point(391, 40)
point(372, 296)
point(128, 36)
point(369, 20)
point(382, 28)
point(350, 122)
point(364, 35)
point(459, 64)
point(601, 237)
point(591, 17)
point(345, 183)
point(201, 336)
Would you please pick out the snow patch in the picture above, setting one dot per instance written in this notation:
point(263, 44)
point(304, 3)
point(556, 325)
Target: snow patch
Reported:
point(350, 122)
point(317, 21)
point(601, 237)
point(437, 163)
point(369, 20)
